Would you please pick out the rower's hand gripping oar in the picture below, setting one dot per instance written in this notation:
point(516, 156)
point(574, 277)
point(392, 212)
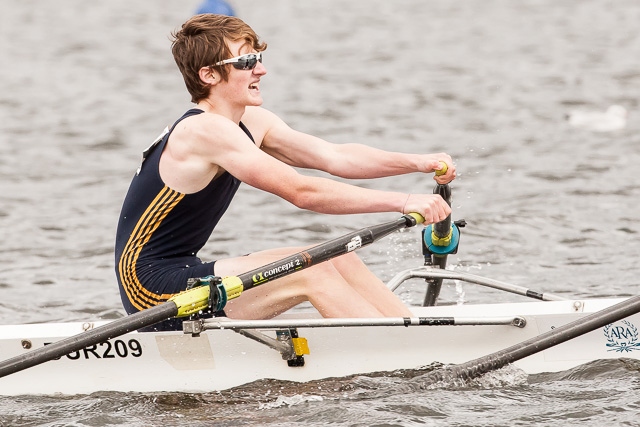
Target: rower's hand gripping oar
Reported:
point(439, 240)
point(214, 295)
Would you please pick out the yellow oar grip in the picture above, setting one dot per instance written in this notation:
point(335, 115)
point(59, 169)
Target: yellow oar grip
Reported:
point(191, 301)
point(197, 299)
point(233, 285)
point(419, 218)
point(444, 169)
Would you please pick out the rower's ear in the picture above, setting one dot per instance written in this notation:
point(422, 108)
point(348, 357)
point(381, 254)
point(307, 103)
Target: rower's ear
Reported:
point(209, 75)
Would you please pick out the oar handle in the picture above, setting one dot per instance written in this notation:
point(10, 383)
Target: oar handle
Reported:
point(442, 170)
point(442, 229)
point(438, 241)
point(419, 218)
point(441, 238)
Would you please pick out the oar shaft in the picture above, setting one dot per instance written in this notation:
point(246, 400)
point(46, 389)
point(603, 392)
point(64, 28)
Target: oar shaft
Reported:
point(441, 235)
point(443, 228)
point(497, 360)
point(91, 337)
point(324, 252)
point(194, 300)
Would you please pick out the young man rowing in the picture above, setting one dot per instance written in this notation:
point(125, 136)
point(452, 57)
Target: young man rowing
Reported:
point(188, 179)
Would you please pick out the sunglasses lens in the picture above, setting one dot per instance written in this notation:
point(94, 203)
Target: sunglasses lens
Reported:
point(247, 62)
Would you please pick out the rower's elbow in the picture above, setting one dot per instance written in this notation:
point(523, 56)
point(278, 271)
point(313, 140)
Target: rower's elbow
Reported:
point(307, 198)
point(303, 200)
point(307, 193)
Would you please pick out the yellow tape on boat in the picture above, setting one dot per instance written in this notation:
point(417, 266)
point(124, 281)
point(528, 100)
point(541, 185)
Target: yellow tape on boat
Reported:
point(191, 301)
point(300, 346)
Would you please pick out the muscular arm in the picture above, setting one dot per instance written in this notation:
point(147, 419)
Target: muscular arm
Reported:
point(203, 146)
point(259, 169)
point(332, 197)
point(352, 161)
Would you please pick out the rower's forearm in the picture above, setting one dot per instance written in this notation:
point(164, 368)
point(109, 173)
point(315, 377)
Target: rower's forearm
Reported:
point(359, 161)
point(330, 197)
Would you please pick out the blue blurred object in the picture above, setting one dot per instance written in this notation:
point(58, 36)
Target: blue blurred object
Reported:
point(219, 7)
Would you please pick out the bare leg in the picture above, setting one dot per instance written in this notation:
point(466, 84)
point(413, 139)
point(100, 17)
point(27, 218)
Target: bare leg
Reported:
point(342, 287)
point(367, 284)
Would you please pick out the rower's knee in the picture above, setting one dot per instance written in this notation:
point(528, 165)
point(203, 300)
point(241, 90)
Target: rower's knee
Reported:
point(326, 278)
point(346, 262)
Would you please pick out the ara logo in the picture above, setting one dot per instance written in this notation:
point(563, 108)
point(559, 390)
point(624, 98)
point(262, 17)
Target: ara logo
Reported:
point(622, 337)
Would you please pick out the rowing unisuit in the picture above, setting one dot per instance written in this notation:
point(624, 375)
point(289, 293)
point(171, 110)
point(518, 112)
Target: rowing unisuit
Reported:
point(160, 232)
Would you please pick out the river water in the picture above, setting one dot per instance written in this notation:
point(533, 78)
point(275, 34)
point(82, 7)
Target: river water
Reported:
point(85, 86)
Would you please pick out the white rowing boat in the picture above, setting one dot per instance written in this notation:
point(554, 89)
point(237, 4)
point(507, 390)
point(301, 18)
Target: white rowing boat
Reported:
point(551, 334)
point(301, 346)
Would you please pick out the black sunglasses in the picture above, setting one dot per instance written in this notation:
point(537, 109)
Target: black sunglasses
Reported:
point(247, 61)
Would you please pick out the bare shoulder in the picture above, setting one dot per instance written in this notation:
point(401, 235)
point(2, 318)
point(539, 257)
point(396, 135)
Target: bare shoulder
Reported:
point(261, 122)
point(257, 115)
point(200, 148)
point(205, 133)
point(198, 128)
point(207, 138)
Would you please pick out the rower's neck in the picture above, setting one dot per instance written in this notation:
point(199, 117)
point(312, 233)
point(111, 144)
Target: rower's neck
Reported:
point(232, 114)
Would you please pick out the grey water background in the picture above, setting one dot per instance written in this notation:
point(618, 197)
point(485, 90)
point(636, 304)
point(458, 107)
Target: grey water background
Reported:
point(86, 86)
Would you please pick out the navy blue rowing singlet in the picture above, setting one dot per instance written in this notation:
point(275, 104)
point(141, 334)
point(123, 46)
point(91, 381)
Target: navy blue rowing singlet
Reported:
point(160, 231)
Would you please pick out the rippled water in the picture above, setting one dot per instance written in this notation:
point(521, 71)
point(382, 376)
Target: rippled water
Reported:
point(84, 87)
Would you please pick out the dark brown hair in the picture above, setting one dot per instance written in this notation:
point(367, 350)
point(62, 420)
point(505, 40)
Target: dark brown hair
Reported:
point(202, 41)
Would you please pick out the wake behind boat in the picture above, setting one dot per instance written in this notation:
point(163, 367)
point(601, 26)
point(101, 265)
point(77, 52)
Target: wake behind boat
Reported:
point(547, 335)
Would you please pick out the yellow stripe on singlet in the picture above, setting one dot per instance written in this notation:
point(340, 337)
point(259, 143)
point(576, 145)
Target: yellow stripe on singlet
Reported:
point(140, 297)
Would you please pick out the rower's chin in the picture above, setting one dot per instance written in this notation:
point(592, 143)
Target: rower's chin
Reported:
point(256, 99)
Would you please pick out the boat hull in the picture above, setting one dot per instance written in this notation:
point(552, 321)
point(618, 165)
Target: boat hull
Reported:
point(221, 359)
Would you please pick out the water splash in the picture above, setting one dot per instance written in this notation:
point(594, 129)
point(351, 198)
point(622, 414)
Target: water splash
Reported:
point(448, 378)
point(294, 400)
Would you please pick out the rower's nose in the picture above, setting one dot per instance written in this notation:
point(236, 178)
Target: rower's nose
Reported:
point(260, 69)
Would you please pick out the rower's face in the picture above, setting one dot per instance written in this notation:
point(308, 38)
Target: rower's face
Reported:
point(243, 86)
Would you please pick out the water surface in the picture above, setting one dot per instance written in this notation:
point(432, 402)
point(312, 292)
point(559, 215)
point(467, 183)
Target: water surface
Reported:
point(85, 87)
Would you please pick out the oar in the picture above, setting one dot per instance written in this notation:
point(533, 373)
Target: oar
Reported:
point(214, 295)
point(232, 287)
point(497, 360)
point(439, 240)
point(439, 234)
